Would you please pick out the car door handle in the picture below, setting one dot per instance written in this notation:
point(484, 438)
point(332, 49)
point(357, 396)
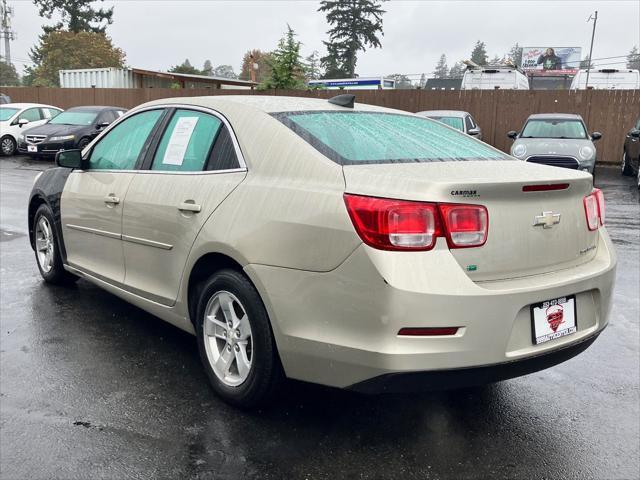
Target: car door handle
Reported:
point(111, 199)
point(189, 206)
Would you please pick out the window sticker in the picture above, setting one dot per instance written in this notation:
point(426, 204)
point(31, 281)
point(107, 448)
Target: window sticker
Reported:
point(179, 141)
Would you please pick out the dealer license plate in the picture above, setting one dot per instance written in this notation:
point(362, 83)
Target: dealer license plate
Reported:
point(553, 319)
point(32, 148)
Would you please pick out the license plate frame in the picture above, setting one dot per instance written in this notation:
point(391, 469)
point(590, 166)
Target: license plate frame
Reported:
point(545, 315)
point(32, 148)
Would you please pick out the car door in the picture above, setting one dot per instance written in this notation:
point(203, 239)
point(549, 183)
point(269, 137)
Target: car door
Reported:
point(194, 165)
point(634, 147)
point(93, 198)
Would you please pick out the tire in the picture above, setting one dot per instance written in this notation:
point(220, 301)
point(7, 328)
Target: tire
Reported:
point(627, 171)
point(83, 142)
point(47, 249)
point(242, 363)
point(8, 145)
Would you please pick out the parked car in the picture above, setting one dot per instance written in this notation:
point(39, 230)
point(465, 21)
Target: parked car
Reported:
point(15, 118)
point(631, 152)
point(558, 139)
point(607, 79)
point(343, 244)
point(74, 128)
point(4, 99)
point(494, 78)
point(457, 119)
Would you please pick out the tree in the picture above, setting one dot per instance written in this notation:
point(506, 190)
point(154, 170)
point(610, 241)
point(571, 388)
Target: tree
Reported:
point(496, 60)
point(224, 71)
point(355, 25)
point(77, 15)
point(333, 63)
point(423, 81)
point(442, 69)
point(259, 58)
point(67, 50)
point(633, 59)
point(185, 67)
point(457, 71)
point(479, 53)
point(8, 75)
point(515, 54)
point(312, 66)
point(584, 63)
point(402, 81)
point(287, 70)
point(207, 68)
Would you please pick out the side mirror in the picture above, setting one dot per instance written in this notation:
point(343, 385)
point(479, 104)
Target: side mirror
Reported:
point(69, 158)
point(22, 122)
point(512, 134)
point(596, 136)
point(473, 131)
point(103, 125)
point(635, 133)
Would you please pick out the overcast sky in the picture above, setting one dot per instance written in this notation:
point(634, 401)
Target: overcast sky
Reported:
point(158, 34)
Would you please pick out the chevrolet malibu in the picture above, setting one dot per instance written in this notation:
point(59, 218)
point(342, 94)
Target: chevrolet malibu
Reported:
point(343, 244)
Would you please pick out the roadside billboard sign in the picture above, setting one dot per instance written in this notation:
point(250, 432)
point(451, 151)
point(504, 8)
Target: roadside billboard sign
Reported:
point(551, 59)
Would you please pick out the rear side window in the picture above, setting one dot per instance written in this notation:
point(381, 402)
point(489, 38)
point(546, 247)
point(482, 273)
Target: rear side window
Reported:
point(455, 122)
point(223, 156)
point(187, 142)
point(32, 114)
point(470, 123)
point(352, 138)
point(120, 148)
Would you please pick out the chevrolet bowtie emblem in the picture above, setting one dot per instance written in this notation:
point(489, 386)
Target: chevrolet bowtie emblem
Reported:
point(547, 219)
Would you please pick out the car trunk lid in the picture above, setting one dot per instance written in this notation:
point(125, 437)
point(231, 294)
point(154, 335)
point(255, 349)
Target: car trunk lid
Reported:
point(515, 246)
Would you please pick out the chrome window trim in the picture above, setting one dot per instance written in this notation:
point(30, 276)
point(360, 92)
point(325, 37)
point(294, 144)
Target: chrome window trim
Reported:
point(165, 172)
point(207, 110)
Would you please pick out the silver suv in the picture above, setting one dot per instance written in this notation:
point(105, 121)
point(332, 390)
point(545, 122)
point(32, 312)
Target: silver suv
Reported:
point(558, 139)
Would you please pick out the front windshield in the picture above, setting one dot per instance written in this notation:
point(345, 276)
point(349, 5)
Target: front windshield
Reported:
point(78, 117)
point(7, 113)
point(352, 138)
point(455, 122)
point(554, 128)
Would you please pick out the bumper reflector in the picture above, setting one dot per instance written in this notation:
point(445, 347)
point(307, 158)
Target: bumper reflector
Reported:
point(428, 331)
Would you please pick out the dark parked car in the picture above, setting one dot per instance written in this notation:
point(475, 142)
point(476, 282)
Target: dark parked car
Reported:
point(631, 152)
point(74, 128)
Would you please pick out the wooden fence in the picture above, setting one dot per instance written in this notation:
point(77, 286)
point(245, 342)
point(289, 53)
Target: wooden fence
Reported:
point(611, 112)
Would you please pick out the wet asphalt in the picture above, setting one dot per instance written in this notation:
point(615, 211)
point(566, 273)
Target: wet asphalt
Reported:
point(91, 387)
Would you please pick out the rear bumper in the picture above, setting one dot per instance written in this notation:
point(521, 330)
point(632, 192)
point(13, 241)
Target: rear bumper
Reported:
point(470, 377)
point(340, 328)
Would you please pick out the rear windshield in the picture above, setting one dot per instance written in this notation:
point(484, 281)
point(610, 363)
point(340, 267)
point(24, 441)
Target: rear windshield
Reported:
point(353, 138)
point(7, 113)
point(77, 117)
point(455, 122)
point(554, 128)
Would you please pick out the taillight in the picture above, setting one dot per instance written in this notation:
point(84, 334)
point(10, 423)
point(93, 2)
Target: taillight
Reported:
point(600, 198)
point(465, 225)
point(388, 224)
point(394, 224)
point(591, 211)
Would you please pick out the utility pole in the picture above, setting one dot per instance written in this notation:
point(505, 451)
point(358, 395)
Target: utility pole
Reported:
point(593, 34)
point(5, 29)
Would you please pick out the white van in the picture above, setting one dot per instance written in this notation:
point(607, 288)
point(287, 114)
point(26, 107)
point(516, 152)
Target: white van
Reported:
point(607, 79)
point(493, 78)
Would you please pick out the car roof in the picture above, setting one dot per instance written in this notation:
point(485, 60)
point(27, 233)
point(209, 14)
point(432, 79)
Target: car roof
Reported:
point(94, 108)
point(444, 113)
point(555, 116)
point(270, 103)
point(27, 105)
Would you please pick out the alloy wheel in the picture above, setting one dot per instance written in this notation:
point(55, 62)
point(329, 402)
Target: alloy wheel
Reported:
point(7, 146)
point(228, 339)
point(44, 244)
